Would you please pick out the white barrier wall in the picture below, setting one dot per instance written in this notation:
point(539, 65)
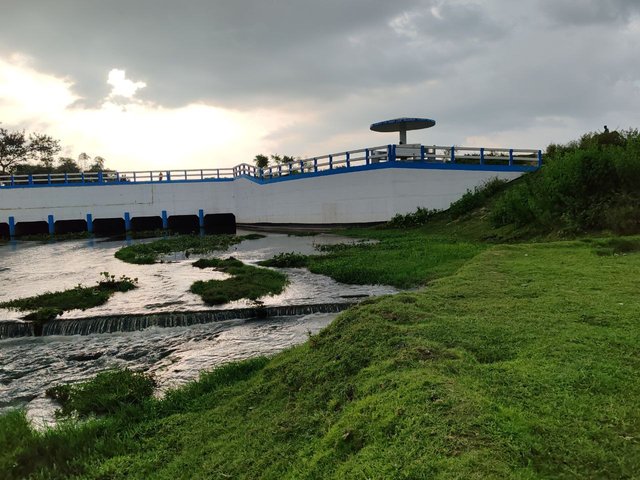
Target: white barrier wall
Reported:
point(349, 197)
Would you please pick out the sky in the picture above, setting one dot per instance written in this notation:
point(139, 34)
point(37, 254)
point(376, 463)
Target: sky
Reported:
point(167, 84)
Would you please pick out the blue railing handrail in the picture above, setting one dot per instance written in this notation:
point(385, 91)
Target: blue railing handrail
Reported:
point(515, 158)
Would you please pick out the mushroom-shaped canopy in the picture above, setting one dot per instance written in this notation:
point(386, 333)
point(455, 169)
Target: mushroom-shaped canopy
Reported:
point(402, 124)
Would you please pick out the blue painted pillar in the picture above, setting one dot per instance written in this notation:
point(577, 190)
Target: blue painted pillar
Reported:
point(165, 220)
point(453, 154)
point(201, 218)
point(52, 225)
point(482, 156)
point(539, 158)
point(12, 227)
point(127, 221)
point(366, 156)
point(422, 153)
point(89, 223)
point(511, 157)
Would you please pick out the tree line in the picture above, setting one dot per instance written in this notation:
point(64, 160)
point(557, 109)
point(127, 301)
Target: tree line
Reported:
point(263, 161)
point(23, 153)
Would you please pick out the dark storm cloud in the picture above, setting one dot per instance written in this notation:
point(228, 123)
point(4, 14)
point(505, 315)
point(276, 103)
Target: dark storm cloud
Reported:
point(244, 53)
point(589, 12)
point(479, 67)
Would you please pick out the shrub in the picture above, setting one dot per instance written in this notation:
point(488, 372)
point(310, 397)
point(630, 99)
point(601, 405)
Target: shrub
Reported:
point(586, 185)
point(286, 260)
point(109, 392)
point(476, 198)
point(420, 217)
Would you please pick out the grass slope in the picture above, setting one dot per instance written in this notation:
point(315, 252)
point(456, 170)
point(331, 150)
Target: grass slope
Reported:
point(523, 364)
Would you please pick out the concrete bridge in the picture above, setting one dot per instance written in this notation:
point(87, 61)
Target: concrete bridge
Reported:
point(355, 187)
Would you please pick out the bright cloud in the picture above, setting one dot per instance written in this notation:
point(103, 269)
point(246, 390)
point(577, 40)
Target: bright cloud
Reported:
point(133, 135)
point(122, 86)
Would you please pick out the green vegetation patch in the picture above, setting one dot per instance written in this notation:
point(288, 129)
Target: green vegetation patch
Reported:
point(286, 260)
point(149, 253)
point(49, 305)
point(246, 282)
point(109, 392)
point(522, 364)
point(584, 186)
point(616, 246)
point(401, 258)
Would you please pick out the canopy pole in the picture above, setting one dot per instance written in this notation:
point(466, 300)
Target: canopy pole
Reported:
point(403, 136)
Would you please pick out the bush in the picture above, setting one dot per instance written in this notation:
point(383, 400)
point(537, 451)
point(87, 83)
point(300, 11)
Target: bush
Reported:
point(420, 217)
point(286, 260)
point(587, 185)
point(109, 392)
point(476, 198)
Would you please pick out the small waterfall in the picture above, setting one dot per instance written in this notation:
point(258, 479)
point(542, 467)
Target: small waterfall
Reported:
point(14, 328)
point(129, 323)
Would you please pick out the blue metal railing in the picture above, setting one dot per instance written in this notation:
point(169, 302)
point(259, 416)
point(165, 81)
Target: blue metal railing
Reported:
point(509, 158)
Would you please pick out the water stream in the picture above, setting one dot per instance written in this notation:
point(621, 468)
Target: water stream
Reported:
point(175, 355)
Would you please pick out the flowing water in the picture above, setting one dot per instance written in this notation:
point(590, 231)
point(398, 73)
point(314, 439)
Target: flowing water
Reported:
point(175, 355)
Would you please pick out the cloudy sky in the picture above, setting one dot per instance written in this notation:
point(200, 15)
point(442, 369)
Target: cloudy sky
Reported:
point(159, 84)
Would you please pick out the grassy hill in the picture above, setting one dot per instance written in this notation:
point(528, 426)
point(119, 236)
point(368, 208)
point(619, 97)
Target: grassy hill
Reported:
point(518, 360)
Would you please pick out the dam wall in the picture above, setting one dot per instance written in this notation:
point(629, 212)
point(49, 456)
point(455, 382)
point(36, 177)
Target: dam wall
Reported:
point(372, 187)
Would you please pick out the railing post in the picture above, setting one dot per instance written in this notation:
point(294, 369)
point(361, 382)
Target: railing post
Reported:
point(482, 156)
point(511, 157)
point(315, 165)
point(453, 154)
point(289, 164)
point(366, 156)
point(201, 218)
point(89, 223)
point(12, 227)
point(330, 162)
point(100, 177)
point(82, 177)
point(134, 177)
point(117, 177)
point(422, 153)
point(301, 166)
point(348, 155)
point(127, 221)
point(539, 158)
point(52, 224)
point(165, 220)
point(201, 174)
point(391, 153)
point(168, 172)
point(12, 182)
point(49, 178)
point(30, 179)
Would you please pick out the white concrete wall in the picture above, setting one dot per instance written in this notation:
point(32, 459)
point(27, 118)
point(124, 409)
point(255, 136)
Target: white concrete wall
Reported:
point(351, 197)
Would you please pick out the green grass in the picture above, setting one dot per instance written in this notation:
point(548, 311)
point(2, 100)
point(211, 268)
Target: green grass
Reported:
point(286, 260)
point(246, 282)
point(49, 305)
point(149, 253)
point(521, 364)
point(109, 392)
point(402, 258)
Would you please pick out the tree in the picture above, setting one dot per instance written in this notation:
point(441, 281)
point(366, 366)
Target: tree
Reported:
point(13, 150)
point(67, 165)
point(83, 161)
point(261, 161)
point(97, 165)
point(43, 148)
